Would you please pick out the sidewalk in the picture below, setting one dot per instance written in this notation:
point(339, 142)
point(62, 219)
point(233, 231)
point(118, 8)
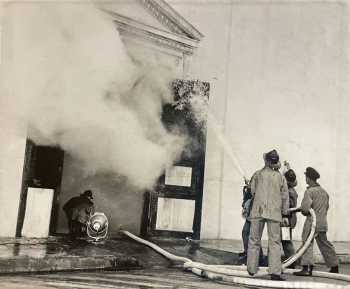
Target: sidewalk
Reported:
point(56, 254)
point(63, 254)
point(342, 248)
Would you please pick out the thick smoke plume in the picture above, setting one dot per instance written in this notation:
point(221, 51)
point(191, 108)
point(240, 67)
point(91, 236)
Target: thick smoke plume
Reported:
point(67, 74)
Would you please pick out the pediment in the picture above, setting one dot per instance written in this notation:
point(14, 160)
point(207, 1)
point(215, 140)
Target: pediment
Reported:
point(154, 19)
point(135, 10)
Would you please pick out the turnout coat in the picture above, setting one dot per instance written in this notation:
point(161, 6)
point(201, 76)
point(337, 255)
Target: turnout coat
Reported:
point(317, 198)
point(270, 195)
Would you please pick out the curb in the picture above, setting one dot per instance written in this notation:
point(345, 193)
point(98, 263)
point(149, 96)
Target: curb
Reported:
point(65, 263)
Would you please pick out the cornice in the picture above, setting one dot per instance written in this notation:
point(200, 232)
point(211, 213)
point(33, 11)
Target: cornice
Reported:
point(171, 19)
point(131, 27)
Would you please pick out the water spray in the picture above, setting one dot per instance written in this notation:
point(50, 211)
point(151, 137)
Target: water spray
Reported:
point(220, 135)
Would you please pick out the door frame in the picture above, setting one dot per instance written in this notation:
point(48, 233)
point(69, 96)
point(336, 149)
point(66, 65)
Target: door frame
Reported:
point(28, 181)
point(196, 162)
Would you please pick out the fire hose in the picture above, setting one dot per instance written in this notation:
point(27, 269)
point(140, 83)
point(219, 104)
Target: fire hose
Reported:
point(238, 274)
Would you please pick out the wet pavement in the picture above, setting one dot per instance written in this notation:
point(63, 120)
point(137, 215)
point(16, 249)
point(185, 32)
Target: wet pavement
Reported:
point(125, 264)
point(229, 245)
point(139, 279)
point(61, 254)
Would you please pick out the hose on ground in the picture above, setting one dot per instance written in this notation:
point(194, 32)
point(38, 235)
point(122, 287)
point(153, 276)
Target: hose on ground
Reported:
point(238, 274)
point(161, 251)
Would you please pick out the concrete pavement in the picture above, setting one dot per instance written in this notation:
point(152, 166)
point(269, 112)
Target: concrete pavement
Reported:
point(174, 278)
point(160, 278)
point(63, 254)
point(342, 248)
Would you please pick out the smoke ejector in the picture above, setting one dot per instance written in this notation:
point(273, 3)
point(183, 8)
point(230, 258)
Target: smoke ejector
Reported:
point(97, 227)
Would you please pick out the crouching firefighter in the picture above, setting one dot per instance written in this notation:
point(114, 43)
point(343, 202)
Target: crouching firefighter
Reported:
point(317, 198)
point(78, 210)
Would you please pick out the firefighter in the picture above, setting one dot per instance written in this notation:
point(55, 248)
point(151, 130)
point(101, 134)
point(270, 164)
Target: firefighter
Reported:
point(246, 207)
point(288, 247)
point(317, 198)
point(270, 194)
point(78, 210)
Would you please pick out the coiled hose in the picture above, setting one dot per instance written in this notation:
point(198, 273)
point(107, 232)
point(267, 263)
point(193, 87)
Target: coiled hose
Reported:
point(238, 274)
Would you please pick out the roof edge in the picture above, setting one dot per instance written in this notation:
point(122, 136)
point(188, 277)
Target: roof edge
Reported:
point(171, 18)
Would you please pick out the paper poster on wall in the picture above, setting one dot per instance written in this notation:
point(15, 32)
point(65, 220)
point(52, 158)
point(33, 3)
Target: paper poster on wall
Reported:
point(178, 176)
point(175, 214)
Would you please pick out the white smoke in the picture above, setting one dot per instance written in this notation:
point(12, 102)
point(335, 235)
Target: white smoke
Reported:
point(66, 73)
point(195, 100)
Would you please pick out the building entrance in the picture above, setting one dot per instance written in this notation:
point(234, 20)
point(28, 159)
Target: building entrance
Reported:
point(174, 208)
point(41, 182)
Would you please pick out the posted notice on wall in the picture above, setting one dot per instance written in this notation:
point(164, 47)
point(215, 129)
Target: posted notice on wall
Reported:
point(175, 214)
point(178, 176)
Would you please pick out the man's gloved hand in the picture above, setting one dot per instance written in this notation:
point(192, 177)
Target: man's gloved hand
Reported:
point(285, 222)
point(305, 213)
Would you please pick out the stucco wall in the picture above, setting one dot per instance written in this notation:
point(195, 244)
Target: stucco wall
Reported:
point(278, 80)
point(11, 168)
point(12, 150)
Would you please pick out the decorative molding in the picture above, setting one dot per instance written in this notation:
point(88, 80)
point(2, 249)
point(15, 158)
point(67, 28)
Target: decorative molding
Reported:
point(154, 46)
point(171, 18)
point(178, 38)
point(133, 28)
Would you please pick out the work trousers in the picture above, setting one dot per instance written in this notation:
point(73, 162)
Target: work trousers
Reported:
point(326, 248)
point(287, 245)
point(76, 228)
point(274, 245)
point(288, 248)
point(245, 238)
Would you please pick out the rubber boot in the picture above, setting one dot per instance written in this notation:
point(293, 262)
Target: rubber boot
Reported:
point(242, 259)
point(250, 273)
point(276, 277)
point(334, 269)
point(306, 271)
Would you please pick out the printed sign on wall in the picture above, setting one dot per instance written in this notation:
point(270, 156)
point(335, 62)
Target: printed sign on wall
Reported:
point(178, 176)
point(175, 214)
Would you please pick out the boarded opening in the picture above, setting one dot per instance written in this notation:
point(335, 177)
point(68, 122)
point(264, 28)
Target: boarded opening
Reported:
point(175, 214)
point(37, 217)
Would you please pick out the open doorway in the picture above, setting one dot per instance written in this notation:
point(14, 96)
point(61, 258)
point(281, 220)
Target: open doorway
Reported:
point(174, 207)
point(41, 184)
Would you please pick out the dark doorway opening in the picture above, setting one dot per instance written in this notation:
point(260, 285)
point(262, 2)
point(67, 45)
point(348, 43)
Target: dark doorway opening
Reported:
point(174, 207)
point(42, 169)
